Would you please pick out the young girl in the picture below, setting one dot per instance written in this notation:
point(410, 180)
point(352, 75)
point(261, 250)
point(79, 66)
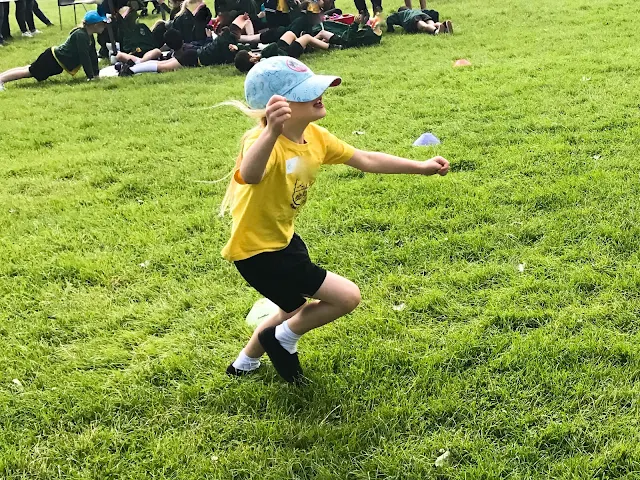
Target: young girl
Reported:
point(78, 50)
point(277, 165)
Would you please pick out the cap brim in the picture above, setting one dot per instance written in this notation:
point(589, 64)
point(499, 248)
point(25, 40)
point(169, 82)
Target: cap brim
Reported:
point(101, 20)
point(312, 88)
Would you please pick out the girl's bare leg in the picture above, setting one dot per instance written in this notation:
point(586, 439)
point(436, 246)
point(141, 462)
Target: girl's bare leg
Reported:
point(248, 27)
point(324, 35)
point(335, 298)
point(125, 57)
point(306, 40)
point(255, 38)
point(17, 73)
point(288, 37)
point(241, 22)
point(427, 27)
point(154, 54)
point(168, 65)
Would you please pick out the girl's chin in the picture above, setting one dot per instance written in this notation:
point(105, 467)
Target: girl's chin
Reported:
point(320, 113)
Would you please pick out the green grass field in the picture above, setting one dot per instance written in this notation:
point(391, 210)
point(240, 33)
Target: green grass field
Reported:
point(518, 346)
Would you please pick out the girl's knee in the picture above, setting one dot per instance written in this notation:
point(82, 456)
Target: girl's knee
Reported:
point(351, 298)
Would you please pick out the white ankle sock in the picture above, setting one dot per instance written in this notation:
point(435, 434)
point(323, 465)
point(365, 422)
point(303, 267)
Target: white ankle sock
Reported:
point(146, 67)
point(287, 338)
point(245, 362)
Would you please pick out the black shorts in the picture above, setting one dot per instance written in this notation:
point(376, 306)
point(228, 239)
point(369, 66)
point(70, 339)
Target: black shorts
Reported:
point(277, 19)
point(235, 30)
point(188, 57)
point(412, 27)
point(45, 66)
point(272, 35)
point(294, 50)
point(285, 277)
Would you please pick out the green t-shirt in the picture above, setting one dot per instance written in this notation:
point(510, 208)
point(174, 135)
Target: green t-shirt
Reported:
point(79, 50)
point(405, 18)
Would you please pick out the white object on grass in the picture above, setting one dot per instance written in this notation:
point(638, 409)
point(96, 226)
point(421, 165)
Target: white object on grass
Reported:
point(261, 310)
point(399, 307)
point(145, 264)
point(108, 72)
point(442, 459)
point(521, 267)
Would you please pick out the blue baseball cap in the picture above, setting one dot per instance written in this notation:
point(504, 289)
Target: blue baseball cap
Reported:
point(287, 77)
point(92, 17)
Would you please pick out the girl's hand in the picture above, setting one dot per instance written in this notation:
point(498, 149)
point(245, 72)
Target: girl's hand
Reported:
point(438, 165)
point(278, 112)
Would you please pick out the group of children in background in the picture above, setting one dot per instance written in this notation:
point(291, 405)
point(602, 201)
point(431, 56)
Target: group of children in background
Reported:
point(241, 32)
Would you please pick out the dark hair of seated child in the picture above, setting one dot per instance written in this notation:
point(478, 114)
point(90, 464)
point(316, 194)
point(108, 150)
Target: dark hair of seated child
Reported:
point(243, 61)
point(173, 39)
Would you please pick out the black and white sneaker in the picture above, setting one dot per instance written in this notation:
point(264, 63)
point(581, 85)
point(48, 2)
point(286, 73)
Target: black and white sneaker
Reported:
point(234, 372)
point(125, 69)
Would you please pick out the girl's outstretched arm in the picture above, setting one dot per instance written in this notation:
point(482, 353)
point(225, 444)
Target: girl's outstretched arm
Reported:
point(377, 162)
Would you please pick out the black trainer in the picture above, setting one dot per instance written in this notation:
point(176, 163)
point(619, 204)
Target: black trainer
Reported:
point(125, 71)
point(364, 17)
point(286, 364)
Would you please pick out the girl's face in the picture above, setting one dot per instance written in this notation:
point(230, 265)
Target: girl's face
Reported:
point(99, 27)
point(308, 111)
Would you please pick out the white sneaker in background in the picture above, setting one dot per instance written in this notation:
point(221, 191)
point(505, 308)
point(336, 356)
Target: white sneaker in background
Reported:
point(27, 34)
point(35, 32)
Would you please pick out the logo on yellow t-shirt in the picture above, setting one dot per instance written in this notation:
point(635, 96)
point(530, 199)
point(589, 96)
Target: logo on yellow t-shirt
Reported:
point(299, 196)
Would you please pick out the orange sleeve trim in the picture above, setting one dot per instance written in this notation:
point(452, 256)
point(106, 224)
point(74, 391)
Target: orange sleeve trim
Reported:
point(238, 178)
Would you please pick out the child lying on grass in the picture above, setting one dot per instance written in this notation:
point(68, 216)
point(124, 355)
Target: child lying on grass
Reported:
point(288, 45)
point(418, 21)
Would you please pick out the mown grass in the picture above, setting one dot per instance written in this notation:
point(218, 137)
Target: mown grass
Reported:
point(520, 374)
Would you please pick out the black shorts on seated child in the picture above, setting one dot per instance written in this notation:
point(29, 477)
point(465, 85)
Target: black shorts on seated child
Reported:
point(294, 50)
point(286, 277)
point(188, 57)
point(45, 66)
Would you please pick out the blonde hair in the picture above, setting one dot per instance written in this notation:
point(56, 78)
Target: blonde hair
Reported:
point(189, 3)
point(260, 116)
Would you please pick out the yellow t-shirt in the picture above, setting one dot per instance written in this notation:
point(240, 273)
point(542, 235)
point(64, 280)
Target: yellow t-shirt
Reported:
point(263, 213)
